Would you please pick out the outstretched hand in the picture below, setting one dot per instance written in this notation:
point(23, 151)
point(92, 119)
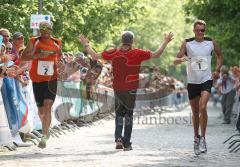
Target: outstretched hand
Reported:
point(168, 37)
point(83, 40)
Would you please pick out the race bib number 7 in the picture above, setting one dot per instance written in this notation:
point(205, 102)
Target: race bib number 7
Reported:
point(45, 68)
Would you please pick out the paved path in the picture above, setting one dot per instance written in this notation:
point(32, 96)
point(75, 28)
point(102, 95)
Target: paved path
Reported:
point(161, 143)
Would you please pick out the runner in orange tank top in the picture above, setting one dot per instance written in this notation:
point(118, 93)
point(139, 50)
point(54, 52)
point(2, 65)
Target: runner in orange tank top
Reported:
point(44, 52)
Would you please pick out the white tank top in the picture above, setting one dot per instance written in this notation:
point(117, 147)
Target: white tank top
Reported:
point(199, 60)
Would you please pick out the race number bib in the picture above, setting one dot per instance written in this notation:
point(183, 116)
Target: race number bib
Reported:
point(199, 64)
point(45, 68)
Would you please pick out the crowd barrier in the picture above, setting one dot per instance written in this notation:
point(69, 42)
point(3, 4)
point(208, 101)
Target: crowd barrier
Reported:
point(5, 134)
point(234, 140)
point(70, 110)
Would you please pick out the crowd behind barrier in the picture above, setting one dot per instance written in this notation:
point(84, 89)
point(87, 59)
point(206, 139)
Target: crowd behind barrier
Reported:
point(233, 103)
point(83, 95)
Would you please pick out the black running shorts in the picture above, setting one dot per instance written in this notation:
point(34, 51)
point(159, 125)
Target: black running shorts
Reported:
point(194, 90)
point(44, 90)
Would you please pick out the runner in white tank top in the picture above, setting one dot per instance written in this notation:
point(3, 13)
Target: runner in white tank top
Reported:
point(197, 52)
point(199, 64)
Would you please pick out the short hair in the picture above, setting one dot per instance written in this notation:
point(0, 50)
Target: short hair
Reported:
point(200, 22)
point(46, 24)
point(4, 30)
point(127, 37)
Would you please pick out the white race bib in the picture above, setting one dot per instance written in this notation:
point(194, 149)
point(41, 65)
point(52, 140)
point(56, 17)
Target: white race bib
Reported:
point(200, 64)
point(45, 68)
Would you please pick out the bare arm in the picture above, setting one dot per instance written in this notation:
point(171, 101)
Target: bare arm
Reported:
point(85, 42)
point(219, 56)
point(28, 53)
point(181, 54)
point(215, 75)
point(161, 48)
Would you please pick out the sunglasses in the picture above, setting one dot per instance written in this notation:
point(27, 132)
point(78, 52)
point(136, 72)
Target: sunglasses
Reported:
point(44, 27)
point(8, 48)
point(200, 30)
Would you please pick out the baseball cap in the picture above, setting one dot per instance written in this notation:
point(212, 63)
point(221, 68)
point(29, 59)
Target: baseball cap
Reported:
point(17, 35)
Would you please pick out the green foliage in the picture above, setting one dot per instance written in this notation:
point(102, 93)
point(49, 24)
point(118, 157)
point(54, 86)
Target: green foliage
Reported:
point(158, 18)
point(222, 18)
point(98, 19)
point(103, 21)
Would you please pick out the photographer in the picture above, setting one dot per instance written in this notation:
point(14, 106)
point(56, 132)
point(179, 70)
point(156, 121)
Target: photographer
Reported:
point(226, 85)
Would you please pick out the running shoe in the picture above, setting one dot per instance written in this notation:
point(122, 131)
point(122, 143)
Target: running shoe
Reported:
point(119, 143)
point(196, 145)
point(203, 145)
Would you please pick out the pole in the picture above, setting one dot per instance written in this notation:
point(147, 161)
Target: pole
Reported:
point(40, 6)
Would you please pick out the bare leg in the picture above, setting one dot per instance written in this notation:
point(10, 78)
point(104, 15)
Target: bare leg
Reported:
point(47, 105)
point(203, 111)
point(195, 117)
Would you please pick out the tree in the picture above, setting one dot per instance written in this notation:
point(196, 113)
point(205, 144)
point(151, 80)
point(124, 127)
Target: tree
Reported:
point(93, 18)
point(222, 18)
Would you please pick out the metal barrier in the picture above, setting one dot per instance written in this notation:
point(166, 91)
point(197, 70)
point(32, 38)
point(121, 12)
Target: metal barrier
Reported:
point(234, 140)
point(167, 103)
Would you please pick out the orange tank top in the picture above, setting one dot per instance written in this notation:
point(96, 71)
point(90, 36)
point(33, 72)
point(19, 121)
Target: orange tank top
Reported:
point(45, 69)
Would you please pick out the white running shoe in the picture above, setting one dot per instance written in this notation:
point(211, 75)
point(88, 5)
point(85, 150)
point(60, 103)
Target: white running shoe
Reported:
point(203, 145)
point(196, 145)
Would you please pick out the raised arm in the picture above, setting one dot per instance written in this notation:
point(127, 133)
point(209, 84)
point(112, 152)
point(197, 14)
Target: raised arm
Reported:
point(85, 42)
point(181, 56)
point(161, 48)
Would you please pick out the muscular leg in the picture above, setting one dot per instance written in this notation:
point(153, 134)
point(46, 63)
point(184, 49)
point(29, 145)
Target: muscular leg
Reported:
point(41, 114)
point(194, 103)
point(46, 121)
point(203, 111)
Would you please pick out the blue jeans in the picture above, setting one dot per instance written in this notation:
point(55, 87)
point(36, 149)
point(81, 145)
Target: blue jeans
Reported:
point(124, 105)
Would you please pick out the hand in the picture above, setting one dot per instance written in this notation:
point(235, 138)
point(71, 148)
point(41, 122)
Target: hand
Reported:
point(168, 37)
point(215, 75)
point(83, 40)
point(11, 72)
point(185, 58)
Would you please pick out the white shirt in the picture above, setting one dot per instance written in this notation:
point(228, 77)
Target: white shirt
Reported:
point(199, 60)
point(229, 84)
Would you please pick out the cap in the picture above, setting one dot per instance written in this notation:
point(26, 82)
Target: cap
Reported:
point(127, 37)
point(17, 35)
point(45, 25)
